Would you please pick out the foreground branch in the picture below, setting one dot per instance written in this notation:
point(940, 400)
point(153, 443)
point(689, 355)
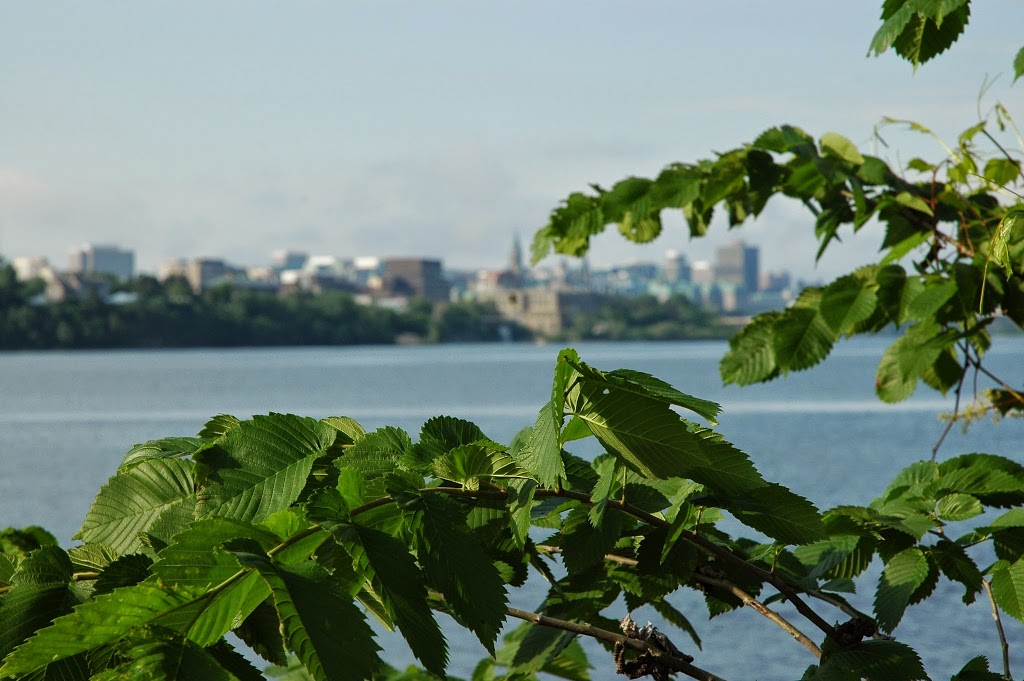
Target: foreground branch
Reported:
point(674, 662)
point(999, 627)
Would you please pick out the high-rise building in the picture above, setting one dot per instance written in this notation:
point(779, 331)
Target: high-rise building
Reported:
point(738, 264)
point(415, 277)
point(675, 268)
point(289, 260)
point(95, 259)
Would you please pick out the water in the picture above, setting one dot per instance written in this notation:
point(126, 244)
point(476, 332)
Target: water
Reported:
point(66, 419)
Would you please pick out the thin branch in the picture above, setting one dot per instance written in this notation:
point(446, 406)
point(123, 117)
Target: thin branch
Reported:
point(736, 591)
point(675, 663)
point(714, 549)
point(75, 577)
point(761, 608)
point(956, 408)
point(999, 627)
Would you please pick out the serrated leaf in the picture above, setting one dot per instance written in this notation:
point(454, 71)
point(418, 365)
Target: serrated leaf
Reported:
point(834, 144)
point(349, 427)
point(801, 338)
point(218, 426)
point(903, 574)
point(260, 467)
point(977, 670)
point(324, 628)
point(457, 564)
point(908, 358)
point(649, 386)
point(125, 571)
point(607, 470)
point(132, 501)
point(957, 566)
point(261, 631)
point(873, 659)
point(1018, 65)
point(958, 507)
point(95, 623)
point(779, 513)
point(170, 447)
point(1008, 588)
point(847, 302)
point(542, 455)
point(654, 441)
point(159, 653)
point(751, 355)
point(386, 561)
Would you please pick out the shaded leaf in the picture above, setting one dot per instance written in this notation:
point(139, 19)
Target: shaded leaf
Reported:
point(903, 574)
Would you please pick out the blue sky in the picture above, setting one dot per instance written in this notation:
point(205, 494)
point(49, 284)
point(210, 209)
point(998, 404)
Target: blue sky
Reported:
point(437, 128)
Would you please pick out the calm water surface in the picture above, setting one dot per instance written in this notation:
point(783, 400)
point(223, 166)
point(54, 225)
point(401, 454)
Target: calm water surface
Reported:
point(66, 419)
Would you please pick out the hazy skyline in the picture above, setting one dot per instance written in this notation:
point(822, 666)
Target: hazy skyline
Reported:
point(440, 129)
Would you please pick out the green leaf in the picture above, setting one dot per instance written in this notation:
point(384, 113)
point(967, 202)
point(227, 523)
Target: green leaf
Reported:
point(902, 576)
point(654, 441)
point(261, 466)
point(95, 623)
point(957, 566)
point(542, 456)
point(261, 631)
point(801, 338)
point(218, 426)
point(977, 670)
point(751, 355)
point(834, 144)
point(441, 434)
point(1018, 65)
point(779, 513)
point(159, 653)
point(908, 358)
point(457, 564)
point(191, 560)
point(397, 579)
point(125, 571)
point(958, 507)
point(649, 386)
point(39, 595)
point(847, 302)
point(873, 659)
point(171, 447)
point(348, 427)
point(914, 202)
point(322, 625)
point(1008, 588)
point(131, 502)
point(609, 474)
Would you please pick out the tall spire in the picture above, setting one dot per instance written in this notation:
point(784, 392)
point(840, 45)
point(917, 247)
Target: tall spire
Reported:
point(515, 259)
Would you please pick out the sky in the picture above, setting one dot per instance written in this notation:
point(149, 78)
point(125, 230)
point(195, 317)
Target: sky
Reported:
point(437, 128)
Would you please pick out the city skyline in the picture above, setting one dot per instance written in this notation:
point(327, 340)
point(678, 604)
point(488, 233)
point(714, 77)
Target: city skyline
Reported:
point(439, 129)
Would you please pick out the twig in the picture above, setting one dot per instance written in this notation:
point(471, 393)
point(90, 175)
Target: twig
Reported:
point(956, 407)
point(714, 549)
point(75, 577)
point(763, 609)
point(678, 664)
point(999, 627)
point(736, 591)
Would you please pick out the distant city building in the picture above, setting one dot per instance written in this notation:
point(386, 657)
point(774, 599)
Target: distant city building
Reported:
point(675, 268)
point(95, 259)
point(415, 278)
point(776, 281)
point(738, 264)
point(35, 267)
point(289, 260)
point(544, 311)
point(702, 273)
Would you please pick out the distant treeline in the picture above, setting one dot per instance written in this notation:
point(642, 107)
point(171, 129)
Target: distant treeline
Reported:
point(646, 318)
point(169, 315)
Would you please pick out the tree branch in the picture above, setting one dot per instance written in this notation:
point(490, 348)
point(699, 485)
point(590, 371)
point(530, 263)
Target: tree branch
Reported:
point(999, 627)
point(675, 663)
point(713, 549)
point(736, 591)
